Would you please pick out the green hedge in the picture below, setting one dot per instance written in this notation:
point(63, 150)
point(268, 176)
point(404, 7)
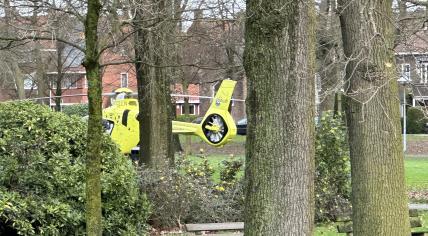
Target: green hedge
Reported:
point(76, 109)
point(42, 176)
point(416, 120)
point(186, 118)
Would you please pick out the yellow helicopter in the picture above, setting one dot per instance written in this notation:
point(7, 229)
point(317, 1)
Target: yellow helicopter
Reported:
point(216, 128)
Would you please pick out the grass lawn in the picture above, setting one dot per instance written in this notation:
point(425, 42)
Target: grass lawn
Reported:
point(416, 172)
point(416, 168)
point(196, 139)
point(417, 137)
point(416, 178)
point(215, 163)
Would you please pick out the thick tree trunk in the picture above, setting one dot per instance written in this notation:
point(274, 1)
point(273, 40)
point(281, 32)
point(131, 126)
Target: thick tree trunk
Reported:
point(94, 135)
point(154, 84)
point(379, 200)
point(279, 62)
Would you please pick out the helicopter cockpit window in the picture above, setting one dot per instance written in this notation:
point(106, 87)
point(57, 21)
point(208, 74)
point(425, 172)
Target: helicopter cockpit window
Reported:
point(108, 126)
point(120, 96)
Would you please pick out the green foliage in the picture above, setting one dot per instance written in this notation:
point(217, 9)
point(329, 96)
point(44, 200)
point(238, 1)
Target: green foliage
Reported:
point(416, 120)
point(42, 176)
point(332, 180)
point(80, 110)
point(186, 193)
point(230, 170)
point(186, 118)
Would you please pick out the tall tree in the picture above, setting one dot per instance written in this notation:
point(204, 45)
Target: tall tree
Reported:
point(94, 136)
point(152, 41)
point(279, 61)
point(328, 53)
point(379, 200)
point(41, 78)
point(11, 60)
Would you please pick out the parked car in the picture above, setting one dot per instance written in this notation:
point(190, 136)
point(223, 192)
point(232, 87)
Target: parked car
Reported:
point(241, 127)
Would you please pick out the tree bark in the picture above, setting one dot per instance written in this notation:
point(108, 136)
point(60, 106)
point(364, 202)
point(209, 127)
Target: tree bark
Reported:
point(279, 61)
point(379, 199)
point(94, 135)
point(328, 54)
point(153, 83)
point(15, 71)
point(60, 75)
point(41, 78)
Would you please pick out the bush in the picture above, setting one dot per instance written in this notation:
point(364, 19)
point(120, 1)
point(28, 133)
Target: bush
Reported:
point(76, 109)
point(416, 120)
point(186, 193)
point(42, 176)
point(332, 179)
point(186, 118)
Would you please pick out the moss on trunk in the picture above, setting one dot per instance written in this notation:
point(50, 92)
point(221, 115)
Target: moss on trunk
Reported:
point(378, 189)
point(94, 135)
point(279, 62)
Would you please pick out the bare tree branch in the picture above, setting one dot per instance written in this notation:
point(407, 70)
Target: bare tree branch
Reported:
point(42, 38)
point(418, 2)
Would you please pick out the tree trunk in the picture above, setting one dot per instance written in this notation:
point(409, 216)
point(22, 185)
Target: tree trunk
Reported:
point(94, 135)
point(15, 71)
point(41, 77)
point(153, 83)
point(379, 199)
point(279, 61)
point(60, 75)
point(186, 107)
point(328, 54)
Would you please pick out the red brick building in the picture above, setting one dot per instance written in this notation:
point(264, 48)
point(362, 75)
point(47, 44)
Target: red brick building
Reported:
point(75, 87)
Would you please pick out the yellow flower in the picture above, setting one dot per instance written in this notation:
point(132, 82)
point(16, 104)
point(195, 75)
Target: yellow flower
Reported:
point(219, 188)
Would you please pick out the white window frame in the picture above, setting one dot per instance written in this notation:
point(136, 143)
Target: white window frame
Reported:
point(406, 74)
point(63, 83)
point(121, 80)
point(72, 85)
point(424, 72)
point(85, 82)
point(27, 82)
point(190, 104)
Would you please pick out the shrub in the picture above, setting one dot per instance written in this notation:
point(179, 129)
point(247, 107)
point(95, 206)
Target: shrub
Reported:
point(76, 109)
point(416, 120)
point(186, 118)
point(42, 179)
point(186, 193)
point(332, 178)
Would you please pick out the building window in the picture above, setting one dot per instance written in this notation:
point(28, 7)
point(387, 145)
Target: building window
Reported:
point(424, 73)
point(124, 80)
point(192, 109)
point(67, 83)
point(405, 71)
point(70, 82)
point(29, 83)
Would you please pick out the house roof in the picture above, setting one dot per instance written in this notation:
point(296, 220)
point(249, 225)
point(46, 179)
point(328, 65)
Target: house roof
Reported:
point(420, 90)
